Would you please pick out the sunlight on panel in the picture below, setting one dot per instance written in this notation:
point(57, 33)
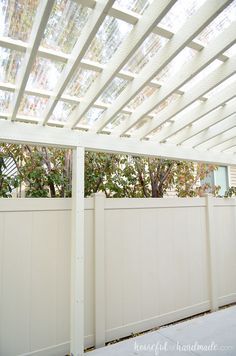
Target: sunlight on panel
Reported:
point(107, 40)
point(174, 66)
point(121, 117)
point(180, 13)
point(201, 75)
point(62, 111)
point(80, 82)
point(164, 104)
point(45, 74)
point(32, 105)
point(65, 25)
point(150, 47)
point(138, 6)
point(10, 62)
point(141, 97)
point(91, 116)
point(5, 100)
point(219, 24)
point(113, 90)
point(16, 18)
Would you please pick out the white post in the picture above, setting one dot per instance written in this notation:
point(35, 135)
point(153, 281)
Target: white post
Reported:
point(99, 246)
point(77, 254)
point(212, 253)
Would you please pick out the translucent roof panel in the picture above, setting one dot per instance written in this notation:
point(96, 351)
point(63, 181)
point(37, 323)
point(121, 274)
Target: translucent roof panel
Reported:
point(231, 51)
point(219, 24)
point(113, 90)
point(121, 117)
point(108, 38)
point(62, 111)
point(179, 13)
point(138, 126)
point(64, 27)
point(10, 61)
point(151, 45)
point(164, 104)
point(138, 6)
point(80, 82)
point(45, 74)
point(5, 100)
point(91, 116)
point(222, 86)
point(173, 67)
point(16, 18)
point(201, 75)
point(33, 106)
point(141, 96)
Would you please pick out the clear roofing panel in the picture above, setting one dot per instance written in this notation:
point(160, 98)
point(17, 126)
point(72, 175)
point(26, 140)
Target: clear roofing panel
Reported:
point(16, 18)
point(138, 126)
point(201, 75)
point(113, 90)
point(5, 100)
point(179, 13)
point(65, 24)
point(221, 86)
point(108, 38)
point(164, 104)
point(80, 82)
point(152, 44)
point(45, 74)
point(62, 111)
point(173, 67)
point(141, 96)
point(92, 115)
point(138, 6)
point(10, 61)
point(219, 24)
point(33, 106)
point(121, 117)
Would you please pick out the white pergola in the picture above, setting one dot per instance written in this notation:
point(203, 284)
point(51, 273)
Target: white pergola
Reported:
point(143, 77)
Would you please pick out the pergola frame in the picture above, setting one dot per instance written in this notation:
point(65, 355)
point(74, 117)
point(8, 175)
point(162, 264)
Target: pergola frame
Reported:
point(206, 133)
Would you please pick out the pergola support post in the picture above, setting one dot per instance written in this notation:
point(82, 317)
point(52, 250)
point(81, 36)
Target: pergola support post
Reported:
point(99, 271)
point(212, 253)
point(77, 254)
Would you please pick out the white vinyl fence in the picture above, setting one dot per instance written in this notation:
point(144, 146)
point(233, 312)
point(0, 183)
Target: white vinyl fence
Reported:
point(148, 262)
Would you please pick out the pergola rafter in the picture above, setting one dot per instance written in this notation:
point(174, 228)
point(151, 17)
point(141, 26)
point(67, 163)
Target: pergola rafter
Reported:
point(142, 29)
point(190, 30)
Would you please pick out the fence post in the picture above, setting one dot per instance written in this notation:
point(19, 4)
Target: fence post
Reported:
point(99, 265)
point(212, 253)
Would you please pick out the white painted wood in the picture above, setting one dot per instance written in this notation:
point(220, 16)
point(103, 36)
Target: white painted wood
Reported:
point(191, 28)
point(19, 133)
point(219, 142)
point(213, 131)
point(224, 71)
point(212, 253)
point(79, 50)
point(141, 30)
point(187, 72)
point(77, 254)
point(184, 129)
point(99, 271)
point(39, 26)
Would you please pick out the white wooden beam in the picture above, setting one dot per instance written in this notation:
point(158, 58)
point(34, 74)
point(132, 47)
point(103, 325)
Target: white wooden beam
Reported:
point(77, 254)
point(183, 126)
point(200, 61)
point(141, 30)
point(212, 132)
point(224, 71)
point(215, 142)
point(43, 135)
point(94, 22)
point(230, 147)
point(228, 141)
point(41, 19)
point(192, 27)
